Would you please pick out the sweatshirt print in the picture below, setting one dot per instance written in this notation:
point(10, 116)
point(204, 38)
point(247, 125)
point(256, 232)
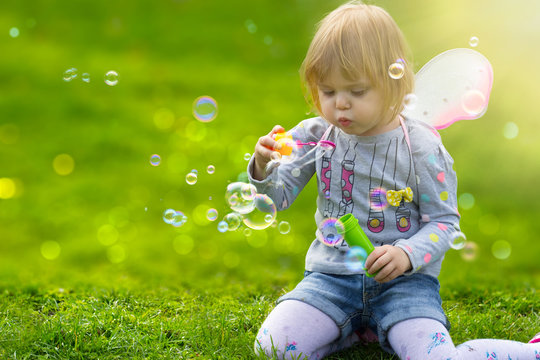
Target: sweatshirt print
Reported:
point(401, 196)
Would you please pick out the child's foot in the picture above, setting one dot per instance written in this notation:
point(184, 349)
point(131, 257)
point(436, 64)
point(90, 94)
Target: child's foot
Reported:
point(535, 339)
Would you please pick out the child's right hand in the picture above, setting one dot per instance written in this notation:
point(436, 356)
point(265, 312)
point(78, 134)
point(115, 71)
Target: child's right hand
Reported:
point(264, 152)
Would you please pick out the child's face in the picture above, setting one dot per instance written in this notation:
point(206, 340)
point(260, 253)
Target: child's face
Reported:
point(354, 106)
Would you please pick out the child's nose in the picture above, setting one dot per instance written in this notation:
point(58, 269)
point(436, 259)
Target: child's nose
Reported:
point(342, 101)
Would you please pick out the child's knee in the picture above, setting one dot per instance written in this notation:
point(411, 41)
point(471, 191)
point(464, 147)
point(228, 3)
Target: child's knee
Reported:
point(275, 346)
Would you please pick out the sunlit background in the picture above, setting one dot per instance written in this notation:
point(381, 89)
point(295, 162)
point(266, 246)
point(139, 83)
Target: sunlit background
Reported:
point(99, 137)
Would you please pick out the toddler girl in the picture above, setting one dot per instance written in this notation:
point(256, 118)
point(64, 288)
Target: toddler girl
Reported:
point(395, 176)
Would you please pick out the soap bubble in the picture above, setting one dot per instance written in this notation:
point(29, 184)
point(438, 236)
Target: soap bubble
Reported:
point(111, 78)
point(377, 199)
point(501, 249)
point(263, 214)
point(238, 198)
point(469, 251)
point(248, 191)
point(155, 160)
point(205, 108)
point(212, 214)
point(247, 156)
point(191, 178)
point(409, 101)
point(233, 221)
point(473, 41)
point(330, 231)
point(396, 70)
point(458, 240)
point(473, 102)
point(210, 169)
point(222, 226)
point(284, 227)
point(70, 74)
point(179, 219)
point(85, 77)
point(355, 258)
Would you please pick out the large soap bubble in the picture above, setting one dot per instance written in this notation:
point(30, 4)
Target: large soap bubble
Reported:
point(263, 214)
point(240, 196)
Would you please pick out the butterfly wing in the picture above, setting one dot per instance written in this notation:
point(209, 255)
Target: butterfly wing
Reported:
point(454, 85)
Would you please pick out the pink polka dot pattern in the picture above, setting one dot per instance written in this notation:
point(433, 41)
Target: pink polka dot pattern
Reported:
point(442, 226)
point(440, 176)
point(427, 258)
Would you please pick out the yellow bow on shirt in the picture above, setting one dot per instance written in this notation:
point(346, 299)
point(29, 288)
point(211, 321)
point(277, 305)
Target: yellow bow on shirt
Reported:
point(394, 197)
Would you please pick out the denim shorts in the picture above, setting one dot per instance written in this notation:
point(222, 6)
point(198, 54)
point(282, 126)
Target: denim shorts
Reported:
point(357, 302)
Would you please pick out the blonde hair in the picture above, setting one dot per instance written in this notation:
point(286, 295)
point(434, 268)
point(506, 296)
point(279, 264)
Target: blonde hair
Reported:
point(363, 40)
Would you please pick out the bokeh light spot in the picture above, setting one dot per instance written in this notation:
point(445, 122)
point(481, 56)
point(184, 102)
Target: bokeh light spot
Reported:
point(50, 250)
point(501, 249)
point(63, 164)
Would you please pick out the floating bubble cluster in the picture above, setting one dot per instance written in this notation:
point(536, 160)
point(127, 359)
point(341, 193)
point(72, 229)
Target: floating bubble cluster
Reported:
point(239, 197)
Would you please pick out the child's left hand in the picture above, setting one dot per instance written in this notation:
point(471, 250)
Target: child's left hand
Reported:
point(390, 261)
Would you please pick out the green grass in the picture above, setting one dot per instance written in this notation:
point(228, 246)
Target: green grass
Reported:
point(146, 291)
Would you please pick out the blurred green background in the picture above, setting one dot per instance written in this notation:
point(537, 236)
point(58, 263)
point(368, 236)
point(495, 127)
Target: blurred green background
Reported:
point(102, 222)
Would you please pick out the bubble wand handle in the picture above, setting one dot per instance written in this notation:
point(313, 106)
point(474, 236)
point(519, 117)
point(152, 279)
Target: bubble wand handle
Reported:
point(354, 235)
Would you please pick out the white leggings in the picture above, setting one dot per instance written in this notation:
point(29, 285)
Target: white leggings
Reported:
point(296, 330)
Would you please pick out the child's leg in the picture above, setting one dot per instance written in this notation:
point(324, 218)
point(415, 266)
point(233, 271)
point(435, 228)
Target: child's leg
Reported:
point(426, 339)
point(294, 330)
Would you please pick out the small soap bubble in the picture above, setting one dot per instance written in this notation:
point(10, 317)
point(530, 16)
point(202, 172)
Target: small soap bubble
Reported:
point(248, 191)
point(263, 213)
point(501, 249)
point(473, 41)
point(222, 226)
point(284, 227)
point(155, 160)
point(355, 258)
point(396, 70)
point(205, 108)
point(247, 232)
point(233, 220)
point(377, 199)
point(247, 156)
point(70, 74)
point(511, 130)
point(469, 251)
point(237, 197)
point(458, 240)
point(168, 216)
point(14, 32)
point(473, 102)
point(210, 169)
point(178, 219)
point(409, 101)
point(191, 178)
point(212, 214)
point(85, 77)
point(111, 78)
point(330, 231)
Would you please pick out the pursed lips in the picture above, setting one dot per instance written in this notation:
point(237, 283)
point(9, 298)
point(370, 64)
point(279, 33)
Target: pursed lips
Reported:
point(343, 121)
